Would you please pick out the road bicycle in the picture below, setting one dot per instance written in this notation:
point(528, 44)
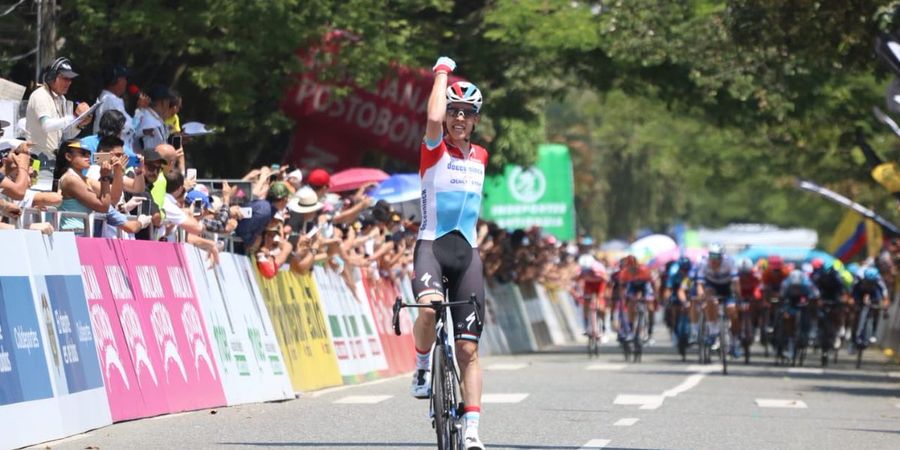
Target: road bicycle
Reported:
point(704, 346)
point(446, 406)
point(681, 327)
point(594, 331)
point(633, 336)
point(866, 325)
point(745, 311)
point(829, 341)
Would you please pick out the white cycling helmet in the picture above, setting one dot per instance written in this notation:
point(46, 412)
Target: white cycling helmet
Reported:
point(745, 265)
point(464, 92)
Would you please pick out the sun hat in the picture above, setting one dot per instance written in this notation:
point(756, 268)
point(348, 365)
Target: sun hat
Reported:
point(304, 201)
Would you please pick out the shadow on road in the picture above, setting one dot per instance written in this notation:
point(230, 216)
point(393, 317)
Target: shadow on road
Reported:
point(871, 430)
point(863, 391)
point(335, 445)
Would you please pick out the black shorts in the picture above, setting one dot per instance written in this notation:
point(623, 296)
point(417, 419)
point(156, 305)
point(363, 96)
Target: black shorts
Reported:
point(452, 257)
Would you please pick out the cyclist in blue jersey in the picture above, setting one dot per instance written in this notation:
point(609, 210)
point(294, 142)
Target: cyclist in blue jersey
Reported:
point(452, 173)
point(677, 290)
point(869, 289)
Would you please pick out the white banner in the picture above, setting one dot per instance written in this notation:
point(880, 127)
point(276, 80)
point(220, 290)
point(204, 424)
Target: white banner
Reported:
point(50, 380)
point(247, 352)
point(356, 343)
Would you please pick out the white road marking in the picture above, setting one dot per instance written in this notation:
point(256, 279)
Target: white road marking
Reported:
point(170, 416)
point(644, 401)
point(595, 443)
point(331, 390)
point(503, 398)
point(362, 399)
point(704, 368)
point(808, 370)
point(780, 403)
point(51, 444)
point(626, 422)
point(897, 405)
point(506, 366)
point(685, 385)
point(655, 401)
point(605, 366)
point(894, 374)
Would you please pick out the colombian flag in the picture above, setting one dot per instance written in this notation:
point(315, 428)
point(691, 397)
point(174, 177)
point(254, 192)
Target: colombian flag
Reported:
point(854, 235)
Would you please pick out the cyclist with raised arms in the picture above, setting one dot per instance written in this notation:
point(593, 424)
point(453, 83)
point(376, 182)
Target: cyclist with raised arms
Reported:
point(452, 173)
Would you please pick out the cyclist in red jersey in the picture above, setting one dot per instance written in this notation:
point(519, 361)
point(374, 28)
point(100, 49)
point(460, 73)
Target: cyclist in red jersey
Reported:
point(775, 274)
point(592, 283)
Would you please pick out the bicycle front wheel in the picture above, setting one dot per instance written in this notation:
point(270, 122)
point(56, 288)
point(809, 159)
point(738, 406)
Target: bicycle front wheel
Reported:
point(443, 399)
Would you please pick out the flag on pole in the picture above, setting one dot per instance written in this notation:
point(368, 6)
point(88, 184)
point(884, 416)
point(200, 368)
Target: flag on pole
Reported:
point(855, 235)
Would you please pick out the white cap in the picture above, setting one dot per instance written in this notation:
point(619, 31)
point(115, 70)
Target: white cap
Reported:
point(296, 173)
point(195, 129)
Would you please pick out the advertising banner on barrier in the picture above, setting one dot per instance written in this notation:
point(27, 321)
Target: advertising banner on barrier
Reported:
point(106, 285)
point(535, 314)
point(512, 317)
point(356, 345)
point(554, 326)
point(493, 339)
point(171, 331)
point(399, 350)
point(246, 350)
point(50, 381)
point(299, 322)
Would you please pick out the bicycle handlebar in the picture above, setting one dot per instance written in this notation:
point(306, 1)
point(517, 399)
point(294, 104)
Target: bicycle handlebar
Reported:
point(434, 305)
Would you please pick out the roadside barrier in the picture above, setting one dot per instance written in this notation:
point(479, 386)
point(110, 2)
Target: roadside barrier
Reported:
point(96, 331)
point(512, 317)
point(246, 348)
point(50, 379)
point(297, 315)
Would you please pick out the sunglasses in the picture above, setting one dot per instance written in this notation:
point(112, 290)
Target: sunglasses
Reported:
point(466, 112)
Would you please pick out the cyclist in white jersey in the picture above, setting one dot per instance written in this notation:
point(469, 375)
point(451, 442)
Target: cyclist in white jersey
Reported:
point(452, 173)
point(718, 276)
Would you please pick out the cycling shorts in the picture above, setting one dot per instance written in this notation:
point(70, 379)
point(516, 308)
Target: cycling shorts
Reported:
point(452, 257)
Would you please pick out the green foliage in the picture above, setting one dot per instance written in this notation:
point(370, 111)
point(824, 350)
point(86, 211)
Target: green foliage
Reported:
point(697, 110)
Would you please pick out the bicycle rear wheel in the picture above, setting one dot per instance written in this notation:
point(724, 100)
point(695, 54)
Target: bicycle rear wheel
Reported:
point(443, 397)
point(639, 332)
point(724, 342)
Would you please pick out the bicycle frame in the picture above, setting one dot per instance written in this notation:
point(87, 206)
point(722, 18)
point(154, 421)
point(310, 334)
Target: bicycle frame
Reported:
point(445, 346)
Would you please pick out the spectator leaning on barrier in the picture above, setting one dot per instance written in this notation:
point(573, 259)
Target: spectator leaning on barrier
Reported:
point(80, 195)
point(111, 148)
point(213, 212)
point(249, 229)
point(48, 111)
point(32, 198)
point(304, 208)
point(15, 176)
point(177, 217)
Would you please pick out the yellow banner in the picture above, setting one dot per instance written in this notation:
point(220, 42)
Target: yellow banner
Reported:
point(300, 326)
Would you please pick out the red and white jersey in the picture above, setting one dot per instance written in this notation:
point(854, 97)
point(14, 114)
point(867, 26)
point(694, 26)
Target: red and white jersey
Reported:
point(451, 190)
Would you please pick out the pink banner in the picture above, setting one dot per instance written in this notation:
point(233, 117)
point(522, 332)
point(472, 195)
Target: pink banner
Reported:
point(107, 290)
point(399, 350)
point(141, 298)
point(172, 326)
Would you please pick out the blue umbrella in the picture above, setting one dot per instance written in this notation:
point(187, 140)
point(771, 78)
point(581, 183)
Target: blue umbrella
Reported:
point(401, 187)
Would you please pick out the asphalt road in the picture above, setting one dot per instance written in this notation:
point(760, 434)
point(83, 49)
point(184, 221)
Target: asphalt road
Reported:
point(562, 400)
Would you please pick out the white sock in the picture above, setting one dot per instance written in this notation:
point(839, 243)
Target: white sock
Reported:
point(472, 419)
point(695, 329)
point(713, 328)
point(423, 360)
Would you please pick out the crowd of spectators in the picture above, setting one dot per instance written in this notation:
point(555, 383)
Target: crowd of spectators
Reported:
point(128, 166)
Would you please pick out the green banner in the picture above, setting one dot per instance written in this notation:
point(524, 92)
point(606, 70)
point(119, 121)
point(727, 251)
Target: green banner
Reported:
point(541, 195)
